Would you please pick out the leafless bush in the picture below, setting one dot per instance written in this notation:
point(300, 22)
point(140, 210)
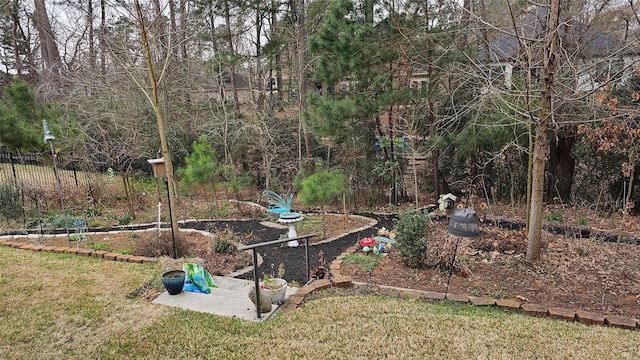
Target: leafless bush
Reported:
point(163, 246)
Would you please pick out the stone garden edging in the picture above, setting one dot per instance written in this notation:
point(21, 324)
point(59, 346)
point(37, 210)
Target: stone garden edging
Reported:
point(101, 254)
point(538, 310)
point(9, 240)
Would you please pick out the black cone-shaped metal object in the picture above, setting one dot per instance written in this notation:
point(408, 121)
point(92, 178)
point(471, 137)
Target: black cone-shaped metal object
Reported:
point(464, 223)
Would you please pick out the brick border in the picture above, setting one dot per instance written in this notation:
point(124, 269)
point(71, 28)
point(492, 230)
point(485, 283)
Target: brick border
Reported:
point(343, 281)
point(537, 310)
point(100, 254)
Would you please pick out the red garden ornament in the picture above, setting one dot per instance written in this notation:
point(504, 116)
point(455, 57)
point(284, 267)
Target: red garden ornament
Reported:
point(367, 242)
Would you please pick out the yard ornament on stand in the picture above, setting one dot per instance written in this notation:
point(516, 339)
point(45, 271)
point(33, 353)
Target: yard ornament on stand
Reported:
point(48, 136)
point(160, 172)
point(463, 223)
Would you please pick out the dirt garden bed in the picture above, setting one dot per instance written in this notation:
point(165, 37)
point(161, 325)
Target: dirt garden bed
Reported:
point(586, 274)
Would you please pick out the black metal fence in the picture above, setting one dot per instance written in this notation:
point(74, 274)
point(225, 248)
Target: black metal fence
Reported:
point(37, 170)
point(43, 187)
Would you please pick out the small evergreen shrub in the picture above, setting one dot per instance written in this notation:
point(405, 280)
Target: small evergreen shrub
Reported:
point(125, 220)
point(412, 237)
point(224, 245)
point(557, 216)
point(101, 246)
point(226, 241)
point(92, 212)
point(62, 221)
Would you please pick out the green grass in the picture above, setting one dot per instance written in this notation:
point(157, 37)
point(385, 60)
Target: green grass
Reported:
point(71, 307)
point(312, 222)
point(365, 263)
point(100, 246)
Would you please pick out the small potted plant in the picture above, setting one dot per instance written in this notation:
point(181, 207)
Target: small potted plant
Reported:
point(275, 288)
point(173, 281)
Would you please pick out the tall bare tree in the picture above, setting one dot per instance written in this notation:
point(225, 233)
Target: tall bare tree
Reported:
point(48, 46)
point(542, 126)
point(18, 51)
point(232, 54)
point(154, 99)
point(303, 82)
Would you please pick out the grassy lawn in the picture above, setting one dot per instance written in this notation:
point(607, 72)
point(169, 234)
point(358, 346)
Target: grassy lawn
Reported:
point(68, 307)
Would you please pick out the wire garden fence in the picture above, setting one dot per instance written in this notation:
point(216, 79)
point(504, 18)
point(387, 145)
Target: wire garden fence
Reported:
point(34, 192)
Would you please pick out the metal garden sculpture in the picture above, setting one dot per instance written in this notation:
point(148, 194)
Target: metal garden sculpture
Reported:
point(277, 204)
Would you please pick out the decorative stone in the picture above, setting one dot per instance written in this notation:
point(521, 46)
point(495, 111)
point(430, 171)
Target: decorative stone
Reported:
point(620, 322)
point(432, 295)
point(123, 257)
point(561, 313)
point(342, 281)
point(85, 252)
point(534, 309)
point(509, 303)
point(111, 256)
point(458, 298)
point(483, 301)
point(589, 318)
point(321, 284)
point(265, 302)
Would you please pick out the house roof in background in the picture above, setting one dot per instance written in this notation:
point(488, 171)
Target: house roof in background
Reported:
point(573, 35)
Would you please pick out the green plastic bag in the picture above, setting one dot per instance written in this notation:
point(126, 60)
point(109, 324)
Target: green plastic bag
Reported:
point(197, 279)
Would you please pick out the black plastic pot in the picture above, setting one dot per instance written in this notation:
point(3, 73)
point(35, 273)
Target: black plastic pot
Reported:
point(173, 281)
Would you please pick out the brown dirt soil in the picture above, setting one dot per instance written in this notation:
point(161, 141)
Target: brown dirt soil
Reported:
point(573, 274)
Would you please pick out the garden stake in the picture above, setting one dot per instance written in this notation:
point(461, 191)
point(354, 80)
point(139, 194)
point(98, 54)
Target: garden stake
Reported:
point(48, 136)
point(453, 261)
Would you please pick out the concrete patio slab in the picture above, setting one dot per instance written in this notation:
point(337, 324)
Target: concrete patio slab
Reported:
point(230, 298)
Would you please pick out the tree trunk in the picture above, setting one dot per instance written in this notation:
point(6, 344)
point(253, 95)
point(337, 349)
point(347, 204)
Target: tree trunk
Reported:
point(103, 51)
point(537, 189)
point(302, 81)
point(128, 192)
point(21, 45)
point(91, 35)
point(155, 99)
point(275, 98)
point(232, 69)
point(435, 153)
point(540, 146)
point(174, 28)
point(183, 29)
point(628, 205)
point(216, 51)
point(562, 167)
point(48, 46)
point(259, 22)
